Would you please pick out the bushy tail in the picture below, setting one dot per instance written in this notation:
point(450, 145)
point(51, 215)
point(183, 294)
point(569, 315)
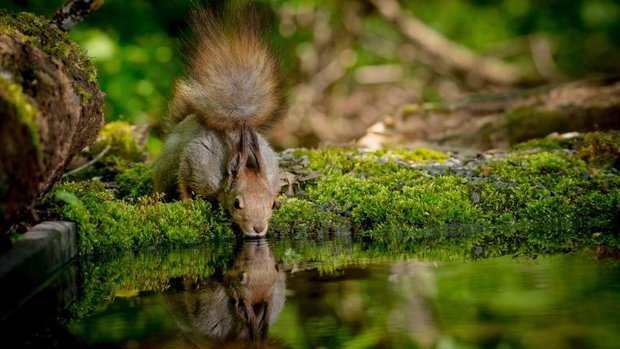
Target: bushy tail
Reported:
point(233, 77)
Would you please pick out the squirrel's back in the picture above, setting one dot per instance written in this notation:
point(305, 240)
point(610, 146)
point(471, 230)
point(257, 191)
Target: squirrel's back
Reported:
point(233, 77)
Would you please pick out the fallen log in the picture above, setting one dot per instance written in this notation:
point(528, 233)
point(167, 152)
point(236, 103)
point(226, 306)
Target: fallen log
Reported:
point(50, 108)
point(498, 121)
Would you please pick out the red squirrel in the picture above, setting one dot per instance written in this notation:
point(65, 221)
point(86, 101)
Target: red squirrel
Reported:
point(232, 89)
point(239, 307)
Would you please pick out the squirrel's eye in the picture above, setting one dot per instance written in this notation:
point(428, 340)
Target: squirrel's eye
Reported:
point(237, 204)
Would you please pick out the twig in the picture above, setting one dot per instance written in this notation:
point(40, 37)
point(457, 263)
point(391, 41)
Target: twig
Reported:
point(542, 56)
point(458, 57)
point(90, 163)
point(73, 12)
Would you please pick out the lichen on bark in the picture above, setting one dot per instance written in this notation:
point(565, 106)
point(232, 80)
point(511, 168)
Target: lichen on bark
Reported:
point(24, 110)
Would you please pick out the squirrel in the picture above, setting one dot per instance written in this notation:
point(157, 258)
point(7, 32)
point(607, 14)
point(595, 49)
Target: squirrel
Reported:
point(238, 306)
point(232, 90)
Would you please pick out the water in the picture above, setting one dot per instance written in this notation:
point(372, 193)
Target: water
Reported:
point(280, 296)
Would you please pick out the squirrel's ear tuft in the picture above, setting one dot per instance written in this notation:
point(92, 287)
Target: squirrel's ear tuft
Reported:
point(253, 148)
point(234, 165)
point(233, 171)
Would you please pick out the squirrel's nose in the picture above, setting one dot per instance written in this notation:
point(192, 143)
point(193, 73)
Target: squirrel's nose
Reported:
point(259, 229)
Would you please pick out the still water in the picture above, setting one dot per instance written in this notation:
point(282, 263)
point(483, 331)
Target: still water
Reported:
point(264, 295)
point(335, 294)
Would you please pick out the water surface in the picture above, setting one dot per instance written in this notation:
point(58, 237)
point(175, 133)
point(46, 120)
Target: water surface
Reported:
point(263, 294)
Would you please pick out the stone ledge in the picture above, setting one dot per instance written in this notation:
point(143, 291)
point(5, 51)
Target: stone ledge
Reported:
point(34, 257)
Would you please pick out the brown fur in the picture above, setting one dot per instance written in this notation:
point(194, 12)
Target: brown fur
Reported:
point(240, 307)
point(232, 89)
point(233, 78)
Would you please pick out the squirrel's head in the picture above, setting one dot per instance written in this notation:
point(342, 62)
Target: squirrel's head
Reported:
point(248, 194)
point(251, 202)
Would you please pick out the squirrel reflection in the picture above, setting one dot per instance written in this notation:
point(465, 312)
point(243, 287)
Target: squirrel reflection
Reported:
point(239, 306)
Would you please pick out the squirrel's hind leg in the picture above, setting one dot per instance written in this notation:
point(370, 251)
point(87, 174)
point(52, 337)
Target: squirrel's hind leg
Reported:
point(185, 192)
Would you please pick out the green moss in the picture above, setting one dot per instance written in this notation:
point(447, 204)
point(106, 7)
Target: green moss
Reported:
point(120, 136)
point(544, 144)
point(418, 155)
point(26, 113)
point(300, 219)
point(123, 152)
point(545, 167)
point(338, 160)
point(84, 95)
point(385, 207)
point(434, 203)
point(38, 31)
point(601, 149)
point(135, 182)
point(109, 224)
point(540, 200)
point(523, 202)
point(552, 200)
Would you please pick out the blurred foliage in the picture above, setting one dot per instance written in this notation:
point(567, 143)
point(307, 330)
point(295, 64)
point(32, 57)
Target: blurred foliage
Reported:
point(119, 147)
point(583, 32)
point(133, 46)
point(342, 59)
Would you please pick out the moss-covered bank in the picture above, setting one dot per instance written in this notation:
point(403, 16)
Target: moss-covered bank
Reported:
point(543, 196)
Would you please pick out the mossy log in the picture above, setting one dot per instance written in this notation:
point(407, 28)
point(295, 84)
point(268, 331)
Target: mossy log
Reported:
point(50, 108)
point(498, 121)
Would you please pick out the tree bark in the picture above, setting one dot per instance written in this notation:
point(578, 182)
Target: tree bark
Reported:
point(73, 12)
point(50, 107)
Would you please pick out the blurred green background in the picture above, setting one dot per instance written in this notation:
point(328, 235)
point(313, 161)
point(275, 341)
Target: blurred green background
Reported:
point(345, 63)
